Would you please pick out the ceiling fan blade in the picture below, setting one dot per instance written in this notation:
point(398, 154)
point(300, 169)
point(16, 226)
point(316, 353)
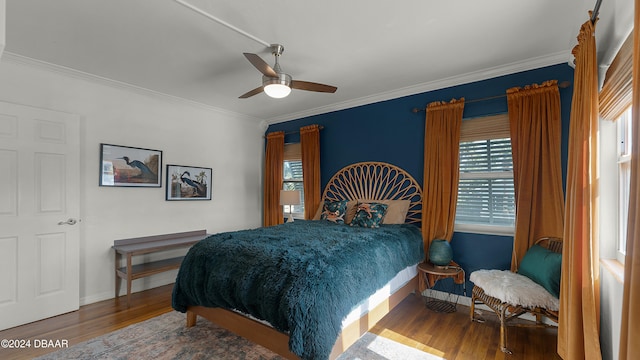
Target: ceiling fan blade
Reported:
point(311, 86)
point(260, 64)
point(255, 91)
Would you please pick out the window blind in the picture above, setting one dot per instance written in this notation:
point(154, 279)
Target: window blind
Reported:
point(483, 128)
point(292, 151)
point(616, 94)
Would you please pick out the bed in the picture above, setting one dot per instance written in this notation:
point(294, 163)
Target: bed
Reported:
point(309, 289)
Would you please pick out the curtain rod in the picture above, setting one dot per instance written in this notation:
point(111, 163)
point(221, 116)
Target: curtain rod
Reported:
point(596, 10)
point(562, 85)
point(320, 127)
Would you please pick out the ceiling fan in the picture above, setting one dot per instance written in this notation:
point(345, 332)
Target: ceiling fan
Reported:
point(276, 83)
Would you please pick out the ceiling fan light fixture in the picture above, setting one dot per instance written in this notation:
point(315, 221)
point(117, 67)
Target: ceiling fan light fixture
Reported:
point(276, 83)
point(277, 91)
point(277, 88)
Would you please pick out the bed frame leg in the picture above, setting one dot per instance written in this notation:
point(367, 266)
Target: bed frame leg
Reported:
point(191, 318)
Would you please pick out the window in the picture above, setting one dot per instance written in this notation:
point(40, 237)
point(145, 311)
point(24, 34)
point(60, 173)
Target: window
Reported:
point(292, 177)
point(486, 199)
point(293, 181)
point(615, 99)
point(623, 124)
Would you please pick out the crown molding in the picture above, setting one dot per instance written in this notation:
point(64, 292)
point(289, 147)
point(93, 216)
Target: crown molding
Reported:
point(27, 61)
point(484, 74)
point(530, 64)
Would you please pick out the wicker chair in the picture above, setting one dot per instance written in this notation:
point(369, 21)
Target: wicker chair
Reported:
point(507, 310)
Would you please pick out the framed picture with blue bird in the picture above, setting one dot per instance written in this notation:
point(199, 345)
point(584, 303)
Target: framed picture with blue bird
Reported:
point(188, 183)
point(130, 166)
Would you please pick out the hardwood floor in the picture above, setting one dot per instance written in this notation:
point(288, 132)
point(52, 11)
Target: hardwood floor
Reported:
point(90, 321)
point(453, 336)
point(449, 336)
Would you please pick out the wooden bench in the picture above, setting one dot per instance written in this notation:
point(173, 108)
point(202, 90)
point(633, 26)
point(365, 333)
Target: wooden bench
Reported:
point(129, 248)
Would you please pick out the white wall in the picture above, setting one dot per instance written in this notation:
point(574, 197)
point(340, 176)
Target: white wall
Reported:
point(187, 133)
point(611, 291)
point(611, 288)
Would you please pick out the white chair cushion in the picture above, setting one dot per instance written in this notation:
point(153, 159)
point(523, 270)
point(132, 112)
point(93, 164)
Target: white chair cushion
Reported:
point(514, 289)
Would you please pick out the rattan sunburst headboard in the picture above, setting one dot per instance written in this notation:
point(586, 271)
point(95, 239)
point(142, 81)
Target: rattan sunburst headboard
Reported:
point(376, 181)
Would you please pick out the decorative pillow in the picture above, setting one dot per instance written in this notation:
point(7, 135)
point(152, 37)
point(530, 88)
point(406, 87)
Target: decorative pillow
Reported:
point(369, 215)
point(544, 267)
point(352, 207)
point(349, 213)
point(396, 212)
point(334, 211)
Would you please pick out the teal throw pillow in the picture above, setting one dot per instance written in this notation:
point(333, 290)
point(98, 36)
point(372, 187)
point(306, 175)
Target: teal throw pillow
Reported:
point(543, 266)
point(334, 211)
point(369, 215)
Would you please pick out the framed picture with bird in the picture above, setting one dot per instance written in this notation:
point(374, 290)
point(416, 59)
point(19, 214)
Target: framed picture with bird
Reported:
point(188, 183)
point(130, 166)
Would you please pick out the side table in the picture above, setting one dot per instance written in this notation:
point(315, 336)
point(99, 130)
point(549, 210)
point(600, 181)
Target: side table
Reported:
point(430, 274)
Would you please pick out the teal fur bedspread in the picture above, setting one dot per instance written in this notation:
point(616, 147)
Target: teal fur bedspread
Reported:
point(302, 277)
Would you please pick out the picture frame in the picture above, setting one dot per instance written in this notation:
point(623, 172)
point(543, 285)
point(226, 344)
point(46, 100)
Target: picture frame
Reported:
point(130, 166)
point(188, 183)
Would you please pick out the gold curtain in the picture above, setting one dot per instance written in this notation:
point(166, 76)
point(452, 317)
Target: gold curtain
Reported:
point(535, 123)
point(310, 143)
point(441, 170)
point(579, 316)
point(274, 158)
point(630, 328)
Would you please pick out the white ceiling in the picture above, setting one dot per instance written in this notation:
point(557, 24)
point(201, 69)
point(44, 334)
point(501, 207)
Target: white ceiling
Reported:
point(370, 50)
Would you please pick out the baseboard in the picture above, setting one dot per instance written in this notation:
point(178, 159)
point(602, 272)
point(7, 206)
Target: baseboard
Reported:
point(138, 285)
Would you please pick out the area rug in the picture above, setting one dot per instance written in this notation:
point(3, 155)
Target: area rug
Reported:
point(167, 337)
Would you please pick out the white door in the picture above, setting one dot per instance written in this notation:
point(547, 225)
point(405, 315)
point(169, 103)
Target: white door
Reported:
point(39, 209)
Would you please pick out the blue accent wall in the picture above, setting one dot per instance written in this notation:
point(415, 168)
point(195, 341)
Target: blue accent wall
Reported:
point(389, 131)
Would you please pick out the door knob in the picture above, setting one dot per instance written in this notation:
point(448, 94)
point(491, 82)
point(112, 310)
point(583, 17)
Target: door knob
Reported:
point(70, 221)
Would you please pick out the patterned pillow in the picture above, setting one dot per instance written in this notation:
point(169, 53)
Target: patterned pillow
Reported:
point(334, 211)
point(369, 215)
